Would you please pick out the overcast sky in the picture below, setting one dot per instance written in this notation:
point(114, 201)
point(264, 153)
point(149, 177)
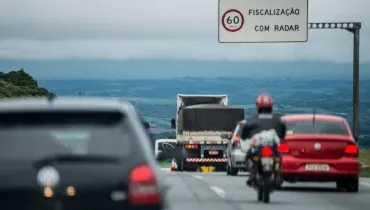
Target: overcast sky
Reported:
point(124, 29)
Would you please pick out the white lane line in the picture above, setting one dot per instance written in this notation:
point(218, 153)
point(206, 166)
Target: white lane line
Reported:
point(220, 192)
point(197, 177)
point(365, 183)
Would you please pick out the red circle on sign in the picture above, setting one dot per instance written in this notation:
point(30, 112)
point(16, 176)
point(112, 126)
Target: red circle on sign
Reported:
point(241, 17)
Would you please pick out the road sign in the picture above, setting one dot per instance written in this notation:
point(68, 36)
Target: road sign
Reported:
point(256, 21)
point(232, 20)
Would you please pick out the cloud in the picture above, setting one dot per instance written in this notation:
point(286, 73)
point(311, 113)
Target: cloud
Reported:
point(187, 29)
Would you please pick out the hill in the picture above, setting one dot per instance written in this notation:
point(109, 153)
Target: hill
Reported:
point(156, 99)
point(18, 84)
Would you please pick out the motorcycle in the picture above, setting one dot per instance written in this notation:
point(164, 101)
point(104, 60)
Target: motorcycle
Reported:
point(268, 166)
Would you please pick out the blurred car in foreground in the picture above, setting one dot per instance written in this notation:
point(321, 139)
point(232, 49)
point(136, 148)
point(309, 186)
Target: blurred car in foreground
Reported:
point(76, 153)
point(320, 148)
point(235, 157)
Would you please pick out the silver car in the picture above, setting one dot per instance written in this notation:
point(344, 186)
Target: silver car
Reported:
point(235, 156)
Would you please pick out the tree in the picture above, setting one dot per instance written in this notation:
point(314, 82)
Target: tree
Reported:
point(18, 84)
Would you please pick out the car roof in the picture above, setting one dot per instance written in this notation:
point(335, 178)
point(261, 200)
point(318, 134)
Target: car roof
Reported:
point(64, 104)
point(321, 117)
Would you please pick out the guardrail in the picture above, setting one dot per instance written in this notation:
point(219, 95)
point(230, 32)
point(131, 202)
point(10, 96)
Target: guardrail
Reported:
point(366, 167)
point(365, 170)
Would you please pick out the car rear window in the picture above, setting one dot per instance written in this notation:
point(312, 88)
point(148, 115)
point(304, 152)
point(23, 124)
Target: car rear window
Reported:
point(317, 127)
point(38, 134)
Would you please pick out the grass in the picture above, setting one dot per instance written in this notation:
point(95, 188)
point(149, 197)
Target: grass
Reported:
point(166, 163)
point(365, 160)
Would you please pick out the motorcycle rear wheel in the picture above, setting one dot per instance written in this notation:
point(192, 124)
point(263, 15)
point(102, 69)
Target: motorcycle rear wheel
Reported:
point(260, 194)
point(266, 193)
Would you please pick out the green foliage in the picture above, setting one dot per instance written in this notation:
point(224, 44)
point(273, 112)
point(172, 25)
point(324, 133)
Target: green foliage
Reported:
point(171, 137)
point(20, 84)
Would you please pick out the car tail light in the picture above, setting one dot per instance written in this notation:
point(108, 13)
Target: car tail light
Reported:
point(283, 148)
point(266, 152)
point(351, 149)
point(143, 188)
point(191, 146)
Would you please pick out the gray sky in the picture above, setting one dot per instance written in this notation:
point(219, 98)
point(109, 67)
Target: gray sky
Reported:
point(180, 29)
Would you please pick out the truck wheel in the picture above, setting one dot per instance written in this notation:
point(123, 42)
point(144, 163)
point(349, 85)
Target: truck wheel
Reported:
point(180, 164)
point(233, 171)
point(228, 169)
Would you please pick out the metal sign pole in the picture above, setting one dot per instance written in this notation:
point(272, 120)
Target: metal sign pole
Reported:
point(354, 28)
point(356, 82)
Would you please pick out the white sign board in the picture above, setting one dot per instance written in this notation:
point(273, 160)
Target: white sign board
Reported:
point(245, 21)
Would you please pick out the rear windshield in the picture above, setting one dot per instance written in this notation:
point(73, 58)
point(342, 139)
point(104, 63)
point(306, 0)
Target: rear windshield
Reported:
point(317, 127)
point(166, 146)
point(34, 135)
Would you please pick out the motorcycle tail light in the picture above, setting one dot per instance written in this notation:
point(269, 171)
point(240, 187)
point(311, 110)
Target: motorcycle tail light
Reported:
point(266, 152)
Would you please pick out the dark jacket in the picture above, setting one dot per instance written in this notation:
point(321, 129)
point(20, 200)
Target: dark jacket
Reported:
point(260, 122)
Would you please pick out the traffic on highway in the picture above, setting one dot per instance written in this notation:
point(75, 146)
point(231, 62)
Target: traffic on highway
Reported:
point(95, 153)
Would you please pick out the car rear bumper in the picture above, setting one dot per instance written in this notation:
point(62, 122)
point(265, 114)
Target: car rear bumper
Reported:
point(238, 159)
point(294, 169)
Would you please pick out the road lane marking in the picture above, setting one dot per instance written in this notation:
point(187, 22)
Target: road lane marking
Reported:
point(220, 192)
point(197, 177)
point(365, 183)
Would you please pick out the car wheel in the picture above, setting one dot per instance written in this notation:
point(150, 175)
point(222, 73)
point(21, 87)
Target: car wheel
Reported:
point(352, 185)
point(227, 168)
point(279, 182)
point(233, 171)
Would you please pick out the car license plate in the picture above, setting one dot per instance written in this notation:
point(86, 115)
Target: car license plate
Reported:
point(213, 152)
point(267, 161)
point(317, 167)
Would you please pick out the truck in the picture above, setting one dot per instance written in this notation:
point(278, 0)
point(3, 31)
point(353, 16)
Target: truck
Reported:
point(201, 124)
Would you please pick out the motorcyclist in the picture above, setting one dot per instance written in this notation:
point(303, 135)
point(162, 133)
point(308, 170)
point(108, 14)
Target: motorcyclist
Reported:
point(264, 122)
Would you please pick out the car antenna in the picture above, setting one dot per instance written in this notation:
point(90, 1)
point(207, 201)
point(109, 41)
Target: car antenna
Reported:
point(313, 118)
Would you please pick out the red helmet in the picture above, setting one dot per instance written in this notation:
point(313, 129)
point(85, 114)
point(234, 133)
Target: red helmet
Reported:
point(264, 101)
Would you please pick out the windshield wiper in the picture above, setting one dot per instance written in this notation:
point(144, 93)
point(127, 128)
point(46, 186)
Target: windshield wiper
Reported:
point(76, 158)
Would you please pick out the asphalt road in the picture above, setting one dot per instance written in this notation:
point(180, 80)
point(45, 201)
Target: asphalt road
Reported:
point(216, 191)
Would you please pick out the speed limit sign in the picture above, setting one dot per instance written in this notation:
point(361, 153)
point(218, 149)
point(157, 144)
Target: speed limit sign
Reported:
point(232, 20)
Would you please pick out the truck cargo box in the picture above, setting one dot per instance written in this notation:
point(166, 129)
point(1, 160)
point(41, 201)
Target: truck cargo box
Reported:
point(209, 117)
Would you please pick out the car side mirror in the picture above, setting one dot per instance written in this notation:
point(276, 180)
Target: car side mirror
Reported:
point(173, 124)
point(146, 125)
point(226, 136)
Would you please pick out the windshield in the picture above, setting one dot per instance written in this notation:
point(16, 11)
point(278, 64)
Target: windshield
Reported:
point(317, 127)
point(35, 135)
point(166, 146)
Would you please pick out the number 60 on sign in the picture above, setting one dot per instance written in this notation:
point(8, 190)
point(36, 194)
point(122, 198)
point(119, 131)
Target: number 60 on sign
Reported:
point(233, 20)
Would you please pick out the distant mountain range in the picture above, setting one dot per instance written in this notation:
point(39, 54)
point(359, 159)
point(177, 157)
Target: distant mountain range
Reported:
point(170, 68)
point(156, 99)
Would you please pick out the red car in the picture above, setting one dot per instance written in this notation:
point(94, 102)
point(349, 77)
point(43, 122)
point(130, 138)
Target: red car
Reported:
point(319, 148)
